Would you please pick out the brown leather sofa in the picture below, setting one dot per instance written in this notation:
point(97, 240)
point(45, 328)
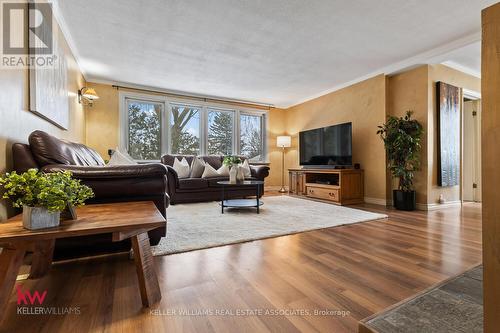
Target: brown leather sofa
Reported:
point(142, 182)
point(206, 189)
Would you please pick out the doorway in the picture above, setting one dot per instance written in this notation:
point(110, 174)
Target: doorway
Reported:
point(471, 159)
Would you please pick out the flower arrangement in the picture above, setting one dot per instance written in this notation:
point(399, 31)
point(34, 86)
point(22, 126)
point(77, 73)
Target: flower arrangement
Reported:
point(229, 161)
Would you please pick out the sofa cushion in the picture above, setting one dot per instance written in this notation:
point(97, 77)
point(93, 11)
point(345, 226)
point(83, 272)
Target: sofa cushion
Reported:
point(212, 181)
point(214, 160)
point(197, 168)
point(48, 149)
point(170, 158)
point(182, 168)
point(192, 183)
point(120, 158)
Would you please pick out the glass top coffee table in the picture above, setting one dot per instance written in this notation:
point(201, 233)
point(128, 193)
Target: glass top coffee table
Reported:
point(242, 203)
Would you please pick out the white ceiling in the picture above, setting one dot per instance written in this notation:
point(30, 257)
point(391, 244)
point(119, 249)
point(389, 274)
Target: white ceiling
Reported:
point(466, 59)
point(279, 52)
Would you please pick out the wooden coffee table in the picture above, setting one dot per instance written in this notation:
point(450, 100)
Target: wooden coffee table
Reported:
point(124, 220)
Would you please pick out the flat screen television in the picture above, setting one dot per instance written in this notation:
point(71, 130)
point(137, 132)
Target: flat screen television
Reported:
point(327, 146)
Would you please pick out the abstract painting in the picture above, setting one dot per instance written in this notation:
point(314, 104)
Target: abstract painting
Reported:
point(448, 113)
point(49, 84)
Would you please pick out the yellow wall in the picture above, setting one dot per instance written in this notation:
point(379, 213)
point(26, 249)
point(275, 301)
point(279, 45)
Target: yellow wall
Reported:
point(17, 122)
point(408, 91)
point(459, 79)
point(103, 120)
point(416, 90)
point(363, 104)
point(275, 127)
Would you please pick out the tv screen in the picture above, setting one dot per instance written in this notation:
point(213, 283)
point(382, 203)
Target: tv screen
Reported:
point(327, 146)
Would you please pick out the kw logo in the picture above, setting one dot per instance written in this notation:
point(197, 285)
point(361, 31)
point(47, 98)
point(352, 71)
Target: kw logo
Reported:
point(27, 298)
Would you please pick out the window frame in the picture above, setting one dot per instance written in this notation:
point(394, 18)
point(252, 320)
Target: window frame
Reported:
point(204, 107)
point(123, 142)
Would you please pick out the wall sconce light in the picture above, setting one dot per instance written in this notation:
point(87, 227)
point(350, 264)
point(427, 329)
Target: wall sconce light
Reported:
point(87, 96)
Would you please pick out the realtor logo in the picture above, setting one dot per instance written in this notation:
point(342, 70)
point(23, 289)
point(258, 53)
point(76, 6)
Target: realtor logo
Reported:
point(27, 298)
point(27, 36)
point(26, 28)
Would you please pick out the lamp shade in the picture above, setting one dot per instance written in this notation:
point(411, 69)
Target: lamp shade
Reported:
point(284, 141)
point(89, 93)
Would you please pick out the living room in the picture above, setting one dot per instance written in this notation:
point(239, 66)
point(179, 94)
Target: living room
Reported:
point(327, 167)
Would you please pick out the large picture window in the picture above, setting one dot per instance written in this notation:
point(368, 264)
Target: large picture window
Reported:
point(220, 132)
point(251, 144)
point(144, 129)
point(154, 125)
point(185, 129)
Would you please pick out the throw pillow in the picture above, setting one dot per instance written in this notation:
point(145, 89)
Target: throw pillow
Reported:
point(223, 171)
point(182, 168)
point(120, 158)
point(246, 169)
point(209, 171)
point(197, 167)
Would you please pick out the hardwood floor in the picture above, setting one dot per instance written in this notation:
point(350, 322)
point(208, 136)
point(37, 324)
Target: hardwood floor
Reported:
point(356, 270)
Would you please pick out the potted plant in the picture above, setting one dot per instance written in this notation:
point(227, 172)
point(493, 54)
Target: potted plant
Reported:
point(43, 196)
point(232, 163)
point(402, 137)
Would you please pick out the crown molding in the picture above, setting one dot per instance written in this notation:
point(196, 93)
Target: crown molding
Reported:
point(398, 67)
point(67, 35)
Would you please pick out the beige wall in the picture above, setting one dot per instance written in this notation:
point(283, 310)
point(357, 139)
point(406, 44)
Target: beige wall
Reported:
point(416, 90)
point(363, 104)
point(275, 127)
point(366, 104)
point(103, 120)
point(17, 122)
point(408, 91)
point(103, 128)
point(451, 76)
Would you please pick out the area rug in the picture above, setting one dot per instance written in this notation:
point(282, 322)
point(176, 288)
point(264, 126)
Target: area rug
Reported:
point(201, 225)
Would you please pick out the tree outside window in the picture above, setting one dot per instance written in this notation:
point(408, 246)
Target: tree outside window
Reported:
point(251, 137)
point(185, 130)
point(144, 135)
point(220, 132)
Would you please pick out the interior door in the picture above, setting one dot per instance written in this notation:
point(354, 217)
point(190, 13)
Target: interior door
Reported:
point(472, 152)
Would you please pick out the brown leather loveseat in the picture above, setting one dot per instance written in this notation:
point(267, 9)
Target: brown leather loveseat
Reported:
point(141, 182)
point(206, 189)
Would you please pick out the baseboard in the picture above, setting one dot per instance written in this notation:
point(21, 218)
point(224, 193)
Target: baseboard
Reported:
point(273, 187)
point(434, 206)
point(375, 201)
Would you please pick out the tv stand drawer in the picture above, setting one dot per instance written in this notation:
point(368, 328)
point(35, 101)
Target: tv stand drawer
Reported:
point(323, 193)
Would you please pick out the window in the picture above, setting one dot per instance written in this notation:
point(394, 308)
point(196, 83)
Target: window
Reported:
point(220, 132)
point(144, 132)
point(185, 130)
point(153, 125)
point(251, 138)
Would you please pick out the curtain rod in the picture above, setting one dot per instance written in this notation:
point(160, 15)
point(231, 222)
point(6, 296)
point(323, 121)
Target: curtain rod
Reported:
point(204, 99)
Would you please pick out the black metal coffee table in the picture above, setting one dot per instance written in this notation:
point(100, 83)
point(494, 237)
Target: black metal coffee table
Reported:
point(241, 203)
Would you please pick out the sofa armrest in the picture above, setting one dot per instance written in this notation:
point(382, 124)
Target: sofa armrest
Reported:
point(151, 170)
point(259, 171)
point(173, 178)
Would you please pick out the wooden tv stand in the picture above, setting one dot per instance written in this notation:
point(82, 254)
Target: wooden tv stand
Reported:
point(339, 186)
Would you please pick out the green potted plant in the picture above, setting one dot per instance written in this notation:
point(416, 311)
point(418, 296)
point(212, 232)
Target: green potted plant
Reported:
point(402, 137)
point(232, 162)
point(43, 196)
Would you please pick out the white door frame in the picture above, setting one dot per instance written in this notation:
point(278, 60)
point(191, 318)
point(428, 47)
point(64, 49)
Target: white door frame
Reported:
point(473, 95)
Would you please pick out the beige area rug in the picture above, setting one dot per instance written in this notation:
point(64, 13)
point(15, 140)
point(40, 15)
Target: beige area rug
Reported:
point(201, 225)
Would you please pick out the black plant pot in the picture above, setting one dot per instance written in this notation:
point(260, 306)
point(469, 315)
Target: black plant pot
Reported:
point(404, 200)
